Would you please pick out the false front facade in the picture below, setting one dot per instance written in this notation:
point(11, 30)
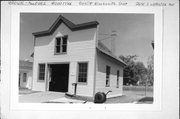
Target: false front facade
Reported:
point(68, 54)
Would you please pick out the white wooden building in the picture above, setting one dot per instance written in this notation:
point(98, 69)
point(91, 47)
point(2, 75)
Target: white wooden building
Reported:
point(70, 53)
point(25, 74)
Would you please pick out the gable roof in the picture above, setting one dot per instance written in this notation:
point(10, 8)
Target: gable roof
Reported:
point(111, 56)
point(103, 47)
point(25, 64)
point(104, 50)
point(69, 24)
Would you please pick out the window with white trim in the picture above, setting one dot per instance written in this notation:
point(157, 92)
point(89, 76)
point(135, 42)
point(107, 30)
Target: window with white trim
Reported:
point(41, 72)
point(82, 72)
point(61, 45)
point(108, 68)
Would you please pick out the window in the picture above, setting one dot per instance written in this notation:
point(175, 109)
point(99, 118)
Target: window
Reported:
point(24, 77)
point(19, 79)
point(117, 78)
point(108, 68)
point(82, 72)
point(41, 72)
point(61, 45)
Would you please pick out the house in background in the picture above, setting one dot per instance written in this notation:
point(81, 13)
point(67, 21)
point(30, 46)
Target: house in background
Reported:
point(25, 74)
point(68, 54)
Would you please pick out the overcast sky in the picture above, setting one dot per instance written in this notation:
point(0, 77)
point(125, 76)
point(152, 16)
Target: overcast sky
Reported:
point(135, 32)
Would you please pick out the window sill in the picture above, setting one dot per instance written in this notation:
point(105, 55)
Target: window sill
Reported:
point(60, 53)
point(81, 83)
point(40, 80)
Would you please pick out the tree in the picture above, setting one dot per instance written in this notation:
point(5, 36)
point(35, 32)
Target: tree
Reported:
point(128, 70)
point(128, 59)
point(135, 71)
point(150, 70)
point(140, 72)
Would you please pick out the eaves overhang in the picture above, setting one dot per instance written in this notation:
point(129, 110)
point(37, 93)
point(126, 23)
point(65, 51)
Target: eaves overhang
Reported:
point(69, 24)
point(112, 57)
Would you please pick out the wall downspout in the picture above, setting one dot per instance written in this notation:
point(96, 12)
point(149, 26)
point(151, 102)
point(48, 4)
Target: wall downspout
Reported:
point(95, 61)
point(33, 65)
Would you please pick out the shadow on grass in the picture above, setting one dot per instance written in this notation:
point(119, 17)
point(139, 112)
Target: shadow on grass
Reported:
point(146, 100)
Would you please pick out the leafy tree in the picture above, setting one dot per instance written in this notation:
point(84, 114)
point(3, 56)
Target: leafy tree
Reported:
point(128, 70)
point(140, 72)
point(150, 70)
point(135, 71)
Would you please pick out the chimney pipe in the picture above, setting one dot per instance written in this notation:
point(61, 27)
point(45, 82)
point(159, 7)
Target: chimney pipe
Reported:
point(113, 47)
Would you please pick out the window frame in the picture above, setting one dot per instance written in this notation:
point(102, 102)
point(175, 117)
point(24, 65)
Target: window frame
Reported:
point(117, 83)
point(61, 45)
point(39, 72)
point(24, 80)
point(108, 78)
point(84, 83)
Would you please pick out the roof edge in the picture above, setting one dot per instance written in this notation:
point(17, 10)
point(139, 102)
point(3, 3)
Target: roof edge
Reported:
point(115, 58)
point(69, 24)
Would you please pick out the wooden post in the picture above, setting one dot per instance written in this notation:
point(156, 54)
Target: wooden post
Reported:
point(146, 86)
point(75, 88)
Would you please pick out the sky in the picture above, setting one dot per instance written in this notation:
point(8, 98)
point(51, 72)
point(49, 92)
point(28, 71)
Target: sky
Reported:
point(135, 32)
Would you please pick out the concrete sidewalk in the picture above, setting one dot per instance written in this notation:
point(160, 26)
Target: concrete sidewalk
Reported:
point(40, 97)
point(67, 100)
point(28, 96)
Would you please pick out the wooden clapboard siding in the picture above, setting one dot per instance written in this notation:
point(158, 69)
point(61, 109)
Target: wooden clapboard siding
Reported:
point(80, 47)
point(25, 67)
point(102, 62)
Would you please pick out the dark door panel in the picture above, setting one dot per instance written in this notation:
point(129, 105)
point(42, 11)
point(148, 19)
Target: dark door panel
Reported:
point(59, 77)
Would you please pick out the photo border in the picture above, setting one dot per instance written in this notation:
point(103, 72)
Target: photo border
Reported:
point(14, 64)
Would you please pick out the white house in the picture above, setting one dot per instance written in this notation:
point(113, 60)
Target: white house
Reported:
point(69, 53)
point(25, 74)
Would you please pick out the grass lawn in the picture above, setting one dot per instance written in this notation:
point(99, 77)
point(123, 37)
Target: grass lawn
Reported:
point(133, 94)
point(130, 96)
